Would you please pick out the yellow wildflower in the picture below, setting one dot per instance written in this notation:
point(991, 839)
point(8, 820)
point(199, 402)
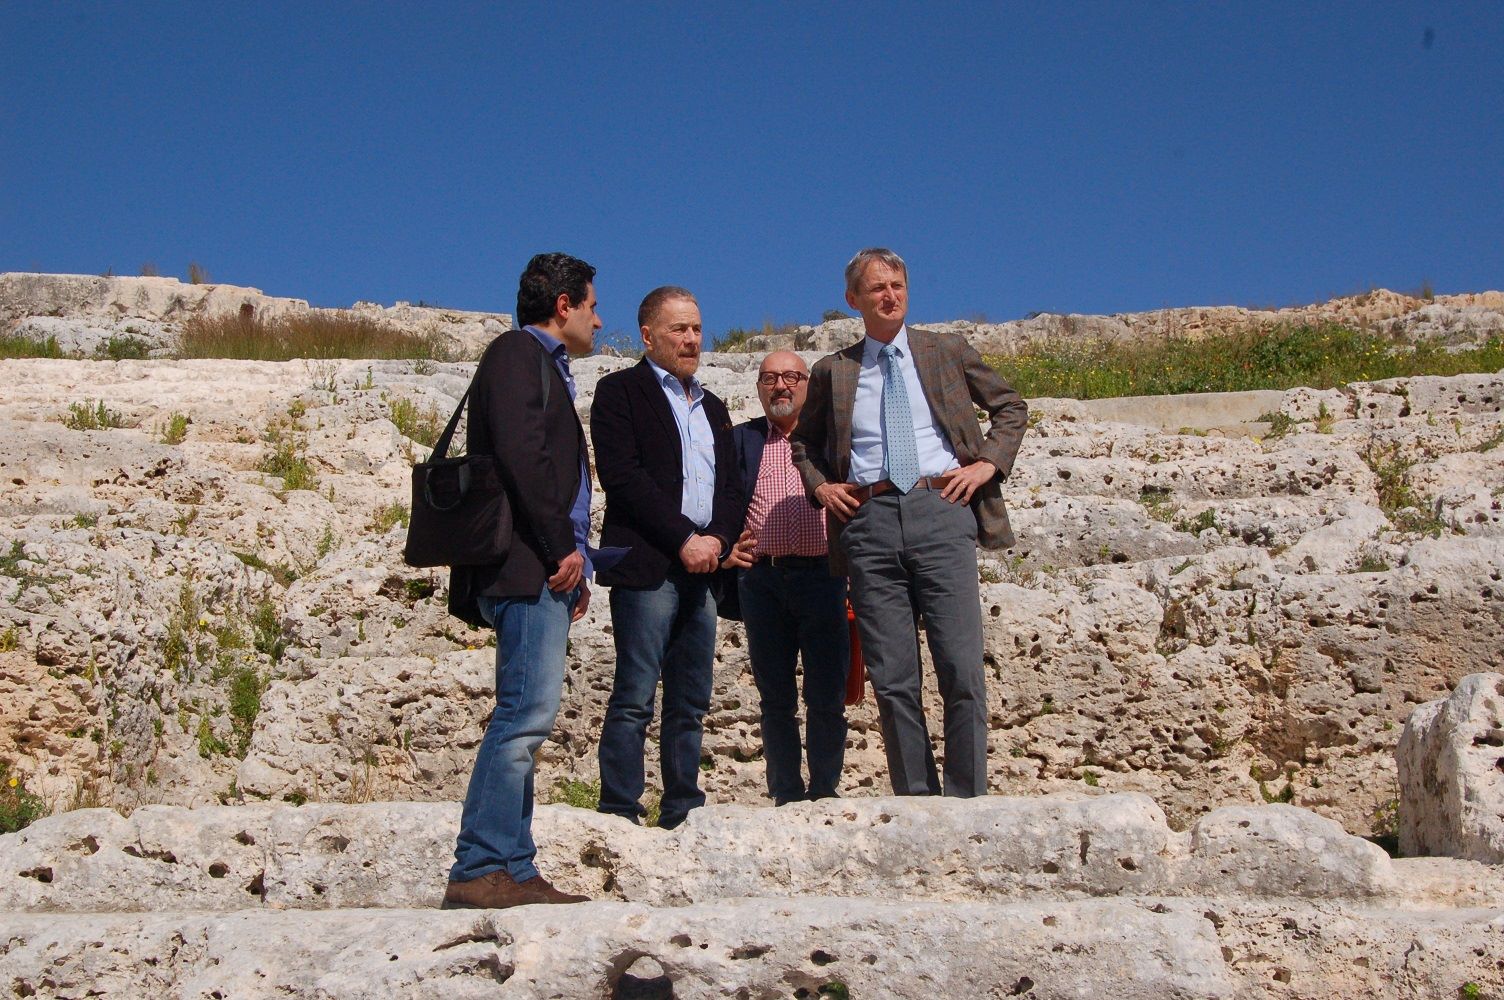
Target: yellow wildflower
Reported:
point(14, 782)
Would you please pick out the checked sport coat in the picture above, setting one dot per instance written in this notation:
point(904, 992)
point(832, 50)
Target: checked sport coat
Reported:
point(957, 382)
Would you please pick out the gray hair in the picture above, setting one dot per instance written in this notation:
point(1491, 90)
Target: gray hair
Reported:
point(863, 258)
point(654, 302)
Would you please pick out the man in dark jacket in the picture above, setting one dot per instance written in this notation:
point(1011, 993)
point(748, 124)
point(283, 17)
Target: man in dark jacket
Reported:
point(522, 413)
point(792, 605)
point(663, 453)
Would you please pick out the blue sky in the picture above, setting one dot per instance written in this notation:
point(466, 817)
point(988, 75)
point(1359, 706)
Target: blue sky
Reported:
point(1084, 157)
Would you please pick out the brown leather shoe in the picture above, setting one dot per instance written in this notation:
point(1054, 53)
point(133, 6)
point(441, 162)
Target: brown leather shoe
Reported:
point(497, 891)
point(546, 892)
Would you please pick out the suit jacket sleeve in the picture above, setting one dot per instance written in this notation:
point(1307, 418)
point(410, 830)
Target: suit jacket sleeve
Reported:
point(515, 422)
point(1005, 408)
point(808, 445)
point(654, 513)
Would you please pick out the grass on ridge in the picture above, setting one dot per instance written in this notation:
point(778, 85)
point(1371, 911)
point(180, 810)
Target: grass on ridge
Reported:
point(1320, 357)
point(29, 347)
point(305, 335)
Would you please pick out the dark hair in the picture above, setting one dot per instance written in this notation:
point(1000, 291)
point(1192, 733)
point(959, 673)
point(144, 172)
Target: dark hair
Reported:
point(653, 302)
point(547, 276)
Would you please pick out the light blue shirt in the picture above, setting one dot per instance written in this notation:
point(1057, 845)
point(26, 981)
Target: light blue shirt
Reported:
point(936, 456)
point(696, 445)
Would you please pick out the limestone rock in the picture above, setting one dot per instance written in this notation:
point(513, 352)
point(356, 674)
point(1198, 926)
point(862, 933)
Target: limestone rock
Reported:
point(1451, 773)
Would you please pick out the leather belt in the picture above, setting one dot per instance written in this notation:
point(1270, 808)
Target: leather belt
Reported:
point(793, 562)
point(865, 493)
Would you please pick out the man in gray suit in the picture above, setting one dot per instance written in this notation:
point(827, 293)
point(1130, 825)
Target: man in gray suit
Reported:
point(889, 444)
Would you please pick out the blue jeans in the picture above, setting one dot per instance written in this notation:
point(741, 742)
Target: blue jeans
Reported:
point(667, 631)
point(496, 827)
point(792, 612)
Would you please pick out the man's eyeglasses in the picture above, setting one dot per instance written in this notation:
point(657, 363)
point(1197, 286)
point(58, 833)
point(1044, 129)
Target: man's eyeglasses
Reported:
point(790, 379)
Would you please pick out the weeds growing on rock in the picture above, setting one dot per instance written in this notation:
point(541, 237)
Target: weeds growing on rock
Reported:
point(19, 808)
point(287, 462)
point(315, 334)
point(1320, 357)
point(577, 793)
point(246, 688)
point(175, 430)
point(1397, 498)
point(389, 517)
point(90, 415)
point(124, 349)
point(420, 424)
point(29, 347)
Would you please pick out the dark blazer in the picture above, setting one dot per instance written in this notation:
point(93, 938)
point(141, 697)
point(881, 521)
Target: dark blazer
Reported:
point(638, 458)
point(538, 447)
point(956, 382)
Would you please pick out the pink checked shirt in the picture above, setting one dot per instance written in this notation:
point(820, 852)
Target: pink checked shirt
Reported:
point(780, 516)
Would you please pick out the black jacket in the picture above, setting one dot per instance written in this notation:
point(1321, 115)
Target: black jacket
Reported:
point(538, 447)
point(638, 459)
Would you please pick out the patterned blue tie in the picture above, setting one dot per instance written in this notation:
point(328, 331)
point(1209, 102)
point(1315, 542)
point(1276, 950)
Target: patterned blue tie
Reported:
point(898, 425)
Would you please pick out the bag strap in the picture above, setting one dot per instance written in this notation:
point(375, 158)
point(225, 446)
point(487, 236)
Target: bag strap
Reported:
point(441, 446)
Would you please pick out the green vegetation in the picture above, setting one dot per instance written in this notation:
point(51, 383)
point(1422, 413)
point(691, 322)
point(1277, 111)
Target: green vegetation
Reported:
point(90, 415)
point(389, 516)
point(1320, 357)
point(208, 743)
point(126, 348)
point(1408, 510)
point(266, 630)
point(287, 463)
point(176, 429)
point(10, 640)
point(18, 807)
point(246, 688)
point(29, 347)
point(421, 424)
point(284, 575)
point(315, 334)
point(573, 792)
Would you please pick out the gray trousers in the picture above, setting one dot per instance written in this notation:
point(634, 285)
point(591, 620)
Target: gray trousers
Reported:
point(908, 556)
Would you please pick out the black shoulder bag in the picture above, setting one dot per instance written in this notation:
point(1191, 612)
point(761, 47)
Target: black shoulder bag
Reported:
point(460, 514)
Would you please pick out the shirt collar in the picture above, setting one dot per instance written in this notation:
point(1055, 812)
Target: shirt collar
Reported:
point(870, 347)
point(553, 345)
point(664, 378)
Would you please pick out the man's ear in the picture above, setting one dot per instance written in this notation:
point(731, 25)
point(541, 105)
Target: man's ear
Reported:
point(562, 306)
point(851, 299)
point(647, 338)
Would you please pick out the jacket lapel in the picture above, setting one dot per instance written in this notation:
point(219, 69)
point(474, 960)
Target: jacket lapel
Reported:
point(845, 370)
point(657, 402)
point(927, 363)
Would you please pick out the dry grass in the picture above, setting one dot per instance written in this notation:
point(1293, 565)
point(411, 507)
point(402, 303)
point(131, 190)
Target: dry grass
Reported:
point(305, 335)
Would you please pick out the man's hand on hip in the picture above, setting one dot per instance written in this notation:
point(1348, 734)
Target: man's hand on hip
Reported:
point(966, 480)
point(700, 553)
point(571, 570)
point(838, 499)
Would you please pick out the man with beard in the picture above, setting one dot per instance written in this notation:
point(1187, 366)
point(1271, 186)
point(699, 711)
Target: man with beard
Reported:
point(664, 457)
point(792, 605)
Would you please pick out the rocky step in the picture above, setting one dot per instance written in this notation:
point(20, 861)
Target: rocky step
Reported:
point(331, 856)
point(1126, 948)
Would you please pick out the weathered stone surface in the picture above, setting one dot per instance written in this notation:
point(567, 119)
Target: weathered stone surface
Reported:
point(1208, 619)
point(85, 312)
point(389, 854)
point(1451, 773)
point(1147, 948)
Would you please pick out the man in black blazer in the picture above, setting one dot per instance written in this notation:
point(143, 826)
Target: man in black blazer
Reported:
point(664, 456)
point(521, 411)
